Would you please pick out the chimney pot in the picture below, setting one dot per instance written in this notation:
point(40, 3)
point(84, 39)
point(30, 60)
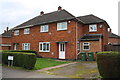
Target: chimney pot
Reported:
point(7, 29)
point(59, 8)
point(41, 13)
point(110, 30)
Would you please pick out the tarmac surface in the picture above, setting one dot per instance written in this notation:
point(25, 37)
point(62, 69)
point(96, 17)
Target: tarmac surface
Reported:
point(8, 72)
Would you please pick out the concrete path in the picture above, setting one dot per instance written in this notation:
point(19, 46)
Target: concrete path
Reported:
point(8, 72)
point(45, 69)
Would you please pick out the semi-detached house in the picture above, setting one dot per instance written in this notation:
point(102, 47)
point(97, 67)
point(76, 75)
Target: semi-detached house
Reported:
point(61, 35)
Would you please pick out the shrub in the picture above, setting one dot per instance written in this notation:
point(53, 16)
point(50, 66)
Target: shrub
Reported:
point(109, 64)
point(21, 59)
point(26, 51)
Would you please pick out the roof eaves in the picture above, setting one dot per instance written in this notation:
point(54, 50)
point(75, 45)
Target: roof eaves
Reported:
point(42, 23)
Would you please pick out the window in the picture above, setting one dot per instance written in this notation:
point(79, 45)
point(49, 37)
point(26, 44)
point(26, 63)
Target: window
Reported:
point(44, 28)
point(44, 46)
point(86, 46)
point(62, 26)
point(26, 46)
point(16, 32)
point(27, 31)
point(92, 28)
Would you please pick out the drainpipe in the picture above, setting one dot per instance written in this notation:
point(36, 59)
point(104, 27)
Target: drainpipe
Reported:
point(76, 38)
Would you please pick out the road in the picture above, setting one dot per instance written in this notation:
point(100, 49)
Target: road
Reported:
point(8, 72)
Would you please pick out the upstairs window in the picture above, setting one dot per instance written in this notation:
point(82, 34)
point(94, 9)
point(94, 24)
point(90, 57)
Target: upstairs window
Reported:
point(93, 28)
point(26, 46)
point(44, 46)
point(44, 28)
point(86, 46)
point(62, 26)
point(27, 31)
point(16, 32)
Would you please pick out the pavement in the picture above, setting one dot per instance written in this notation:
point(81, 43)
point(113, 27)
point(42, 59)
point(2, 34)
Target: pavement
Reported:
point(8, 72)
point(58, 66)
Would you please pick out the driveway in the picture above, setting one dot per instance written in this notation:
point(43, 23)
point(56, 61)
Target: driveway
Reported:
point(78, 70)
point(8, 72)
point(82, 69)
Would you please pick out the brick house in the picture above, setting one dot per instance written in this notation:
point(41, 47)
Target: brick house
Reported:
point(5, 39)
point(61, 35)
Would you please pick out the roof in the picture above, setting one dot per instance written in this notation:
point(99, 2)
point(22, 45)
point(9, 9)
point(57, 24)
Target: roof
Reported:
point(112, 35)
point(6, 34)
point(47, 18)
point(91, 37)
point(89, 19)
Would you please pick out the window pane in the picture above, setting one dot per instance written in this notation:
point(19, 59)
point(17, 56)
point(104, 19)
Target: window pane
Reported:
point(47, 46)
point(60, 47)
point(40, 46)
point(63, 47)
point(44, 46)
point(86, 47)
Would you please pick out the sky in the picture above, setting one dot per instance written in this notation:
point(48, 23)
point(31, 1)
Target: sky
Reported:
point(15, 12)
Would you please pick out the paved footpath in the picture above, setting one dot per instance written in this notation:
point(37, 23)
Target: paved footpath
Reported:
point(63, 65)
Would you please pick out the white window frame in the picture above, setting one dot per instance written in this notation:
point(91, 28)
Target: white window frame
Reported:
point(94, 28)
point(16, 32)
point(60, 26)
point(27, 31)
point(44, 28)
point(88, 44)
point(41, 43)
point(25, 44)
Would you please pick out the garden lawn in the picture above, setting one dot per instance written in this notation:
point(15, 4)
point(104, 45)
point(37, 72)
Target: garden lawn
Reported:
point(46, 62)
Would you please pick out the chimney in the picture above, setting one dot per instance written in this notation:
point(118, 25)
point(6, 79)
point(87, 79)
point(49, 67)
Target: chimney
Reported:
point(41, 13)
point(7, 29)
point(110, 30)
point(59, 8)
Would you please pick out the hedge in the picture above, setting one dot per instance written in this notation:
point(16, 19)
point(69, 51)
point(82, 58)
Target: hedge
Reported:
point(109, 64)
point(27, 51)
point(21, 59)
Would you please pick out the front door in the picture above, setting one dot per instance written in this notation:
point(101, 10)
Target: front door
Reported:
point(61, 50)
point(15, 46)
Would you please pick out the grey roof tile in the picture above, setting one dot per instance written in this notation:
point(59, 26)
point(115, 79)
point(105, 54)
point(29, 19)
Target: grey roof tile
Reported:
point(112, 35)
point(89, 19)
point(48, 18)
point(6, 34)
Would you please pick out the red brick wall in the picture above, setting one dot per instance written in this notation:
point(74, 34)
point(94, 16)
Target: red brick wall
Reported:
point(35, 37)
point(113, 40)
point(102, 31)
point(94, 46)
point(5, 40)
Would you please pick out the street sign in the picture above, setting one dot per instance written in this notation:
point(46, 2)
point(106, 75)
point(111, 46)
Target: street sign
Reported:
point(10, 57)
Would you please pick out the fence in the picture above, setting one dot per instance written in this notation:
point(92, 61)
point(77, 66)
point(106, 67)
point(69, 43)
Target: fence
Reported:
point(112, 47)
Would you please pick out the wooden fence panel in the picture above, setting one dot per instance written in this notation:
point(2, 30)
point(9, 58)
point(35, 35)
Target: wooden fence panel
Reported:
point(115, 47)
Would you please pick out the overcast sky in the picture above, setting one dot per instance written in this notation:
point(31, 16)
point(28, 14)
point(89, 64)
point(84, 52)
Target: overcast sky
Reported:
point(15, 12)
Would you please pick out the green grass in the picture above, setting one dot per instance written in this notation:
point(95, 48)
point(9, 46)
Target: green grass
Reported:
point(45, 62)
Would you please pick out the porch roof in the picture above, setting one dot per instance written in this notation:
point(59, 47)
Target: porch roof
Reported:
point(91, 37)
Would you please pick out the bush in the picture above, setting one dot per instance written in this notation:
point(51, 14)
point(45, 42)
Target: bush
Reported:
point(109, 64)
point(27, 51)
point(21, 59)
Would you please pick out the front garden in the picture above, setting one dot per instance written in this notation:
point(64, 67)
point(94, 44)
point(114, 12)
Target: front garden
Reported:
point(28, 60)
